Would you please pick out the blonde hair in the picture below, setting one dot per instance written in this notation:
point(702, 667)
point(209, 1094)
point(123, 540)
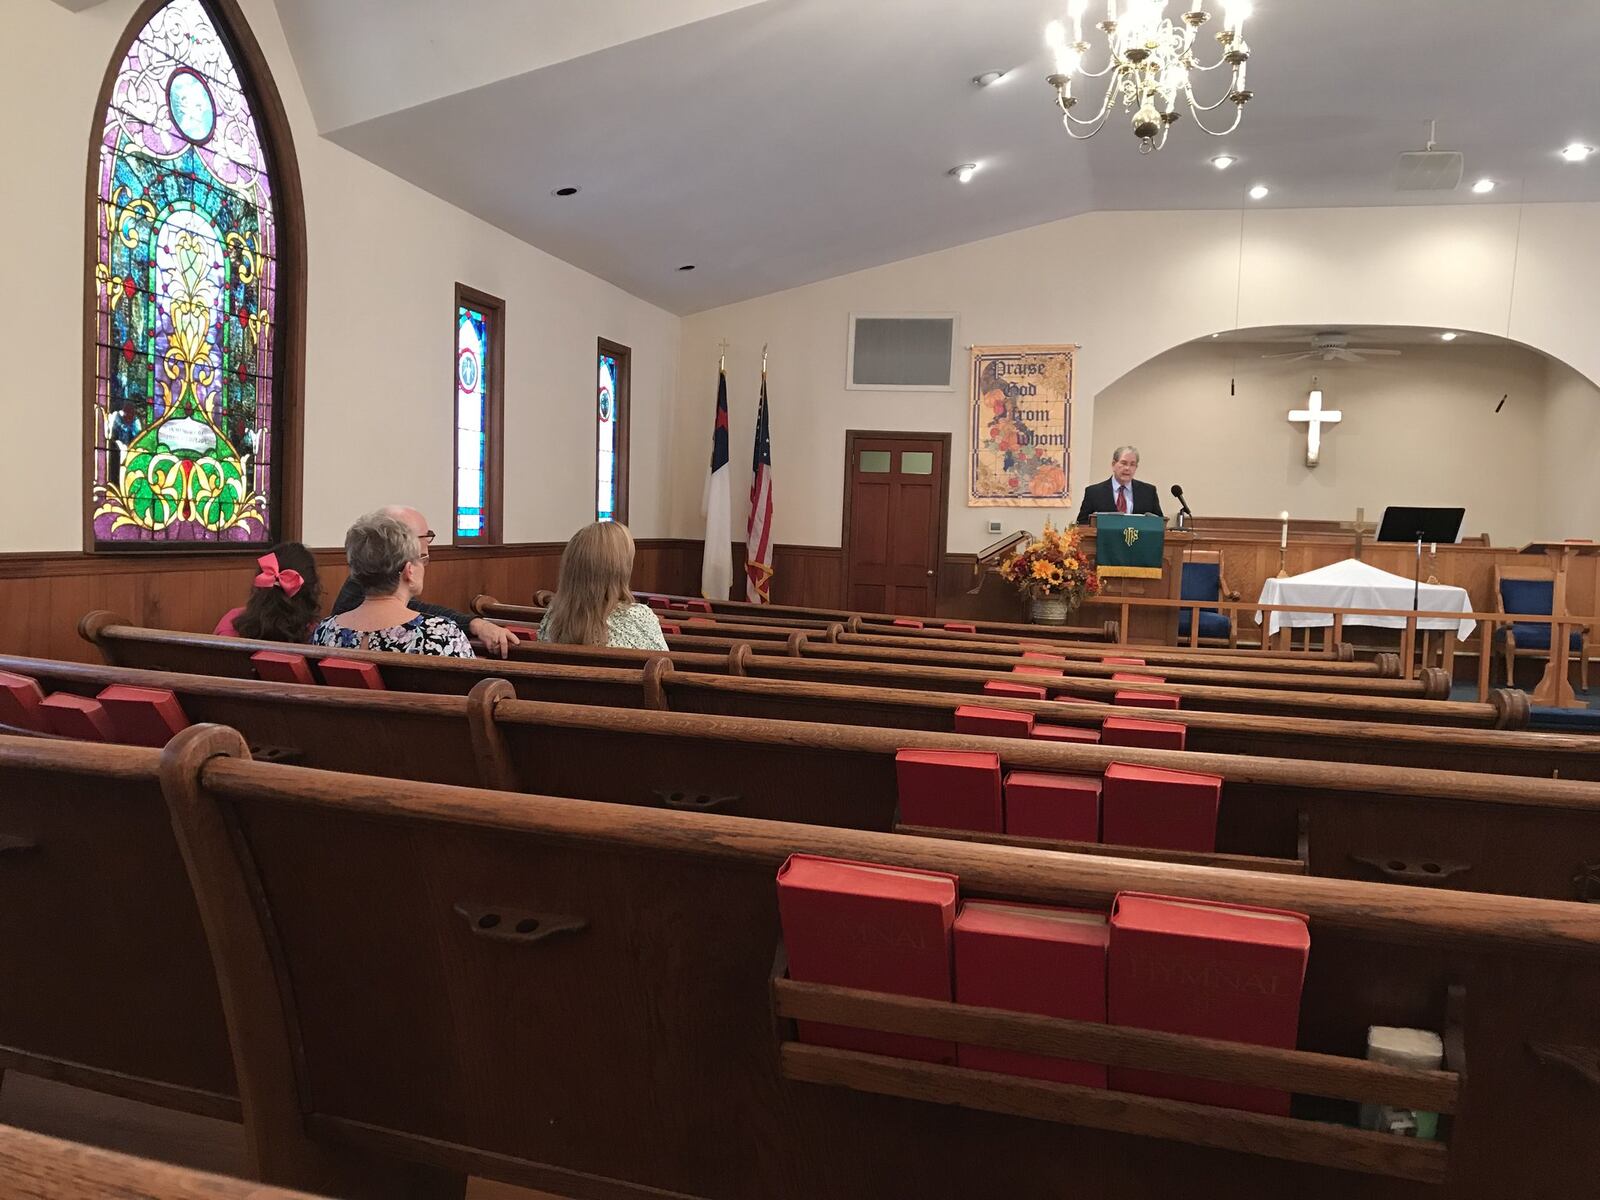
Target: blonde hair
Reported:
point(595, 569)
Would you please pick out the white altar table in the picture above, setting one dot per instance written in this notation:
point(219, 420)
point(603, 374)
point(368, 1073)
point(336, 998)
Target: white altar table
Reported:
point(1355, 584)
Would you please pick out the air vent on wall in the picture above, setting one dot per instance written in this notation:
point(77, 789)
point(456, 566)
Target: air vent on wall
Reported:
point(899, 353)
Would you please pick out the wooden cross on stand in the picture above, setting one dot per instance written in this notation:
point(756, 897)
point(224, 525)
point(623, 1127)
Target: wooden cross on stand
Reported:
point(1359, 526)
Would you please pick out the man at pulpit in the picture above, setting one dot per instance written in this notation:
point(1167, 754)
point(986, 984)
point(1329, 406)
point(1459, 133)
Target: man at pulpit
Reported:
point(1122, 493)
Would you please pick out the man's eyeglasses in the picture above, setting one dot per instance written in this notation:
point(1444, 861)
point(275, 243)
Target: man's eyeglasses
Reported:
point(427, 538)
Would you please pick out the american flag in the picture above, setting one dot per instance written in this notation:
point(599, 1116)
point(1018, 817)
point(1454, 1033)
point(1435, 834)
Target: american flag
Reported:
point(758, 537)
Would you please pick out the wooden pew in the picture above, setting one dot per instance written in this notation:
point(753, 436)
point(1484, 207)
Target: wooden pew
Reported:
point(107, 983)
point(589, 1005)
point(1450, 829)
point(47, 1168)
point(1506, 708)
point(1295, 661)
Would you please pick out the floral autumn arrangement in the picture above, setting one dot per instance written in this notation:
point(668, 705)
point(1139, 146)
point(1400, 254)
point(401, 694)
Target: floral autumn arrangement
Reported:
point(1052, 566)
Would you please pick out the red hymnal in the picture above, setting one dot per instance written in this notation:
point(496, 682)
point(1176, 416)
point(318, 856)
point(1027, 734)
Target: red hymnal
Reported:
point(275, 666)
point(20, 697)
point(1150, 735)
point(1028, 691)
point(1042, 805)
point(1132, 699)
point(143, 716)
point(1027, 669)
point(1034, 959)
point(350, 673)
point(525, 632)
point(1209, 970)
point(699, 621)
point(908, 623)
point(77, 717)
point(1064, 733)
point(1131, 677)
point(993, 722)
point(657, 601)
point(1159, 809)
point(670, 627)
point(959, 627)
point(949, 789)
point(1124, 662)
point(697, 605)
point(880, 929)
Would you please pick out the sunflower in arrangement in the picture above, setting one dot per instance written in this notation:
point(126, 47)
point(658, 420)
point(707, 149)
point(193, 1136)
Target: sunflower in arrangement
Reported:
point(1052, 566)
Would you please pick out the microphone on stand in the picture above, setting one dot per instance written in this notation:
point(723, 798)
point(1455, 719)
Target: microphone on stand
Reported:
point(1183, 510)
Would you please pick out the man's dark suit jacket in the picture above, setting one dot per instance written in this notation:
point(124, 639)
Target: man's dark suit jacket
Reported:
point(1099, 498)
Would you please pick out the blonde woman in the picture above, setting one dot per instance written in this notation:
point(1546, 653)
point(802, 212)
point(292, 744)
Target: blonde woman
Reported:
point(592, 605)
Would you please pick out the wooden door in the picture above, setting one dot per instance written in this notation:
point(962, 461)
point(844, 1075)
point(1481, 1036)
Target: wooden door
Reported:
point(896, 486)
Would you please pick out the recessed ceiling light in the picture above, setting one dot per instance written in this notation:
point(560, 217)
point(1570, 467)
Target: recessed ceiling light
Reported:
point(964, 172)
point(1259, 192)
point(687, 267)
point(1223, 161)
point(1576, 152)
point(1483, 186)
point(566, 191)
point(988, 78)
point(1449, 335)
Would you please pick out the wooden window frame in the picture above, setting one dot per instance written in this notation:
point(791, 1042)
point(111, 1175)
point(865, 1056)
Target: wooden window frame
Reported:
point(494, 410)
point(289, 313)
point(623, 401)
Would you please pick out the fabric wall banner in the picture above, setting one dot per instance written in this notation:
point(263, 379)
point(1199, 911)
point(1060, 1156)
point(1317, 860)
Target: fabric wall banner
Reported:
point(1128, 547)
point(1021, 426)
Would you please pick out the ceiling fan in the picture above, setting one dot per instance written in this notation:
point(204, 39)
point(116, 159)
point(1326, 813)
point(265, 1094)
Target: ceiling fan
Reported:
point(1329, 345)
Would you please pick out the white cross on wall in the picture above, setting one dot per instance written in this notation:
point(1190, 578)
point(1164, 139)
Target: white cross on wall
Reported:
point(1315, 417)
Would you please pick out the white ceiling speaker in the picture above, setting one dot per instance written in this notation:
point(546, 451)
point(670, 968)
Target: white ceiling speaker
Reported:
point(1429, 170)
point(1329, 345)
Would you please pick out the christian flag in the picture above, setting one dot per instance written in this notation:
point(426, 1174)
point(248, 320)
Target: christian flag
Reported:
point(716, 505)
point(758, 536)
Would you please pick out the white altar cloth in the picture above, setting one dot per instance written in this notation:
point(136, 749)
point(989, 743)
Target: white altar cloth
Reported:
point(1355, 584)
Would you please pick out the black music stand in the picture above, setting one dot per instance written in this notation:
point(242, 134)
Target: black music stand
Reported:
point(1404, 523)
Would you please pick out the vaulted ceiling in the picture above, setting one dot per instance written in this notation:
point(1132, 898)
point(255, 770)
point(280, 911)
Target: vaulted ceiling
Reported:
point(782, 141)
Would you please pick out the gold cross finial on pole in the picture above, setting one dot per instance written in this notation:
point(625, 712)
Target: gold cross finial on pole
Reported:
point(763, 360)
point(722, 355)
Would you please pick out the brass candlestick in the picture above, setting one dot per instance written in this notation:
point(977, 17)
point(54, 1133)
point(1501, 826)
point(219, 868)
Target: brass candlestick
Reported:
point(1283, 570)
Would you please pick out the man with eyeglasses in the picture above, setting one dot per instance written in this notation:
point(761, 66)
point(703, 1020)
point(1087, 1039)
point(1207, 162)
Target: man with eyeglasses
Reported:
point(496, 639)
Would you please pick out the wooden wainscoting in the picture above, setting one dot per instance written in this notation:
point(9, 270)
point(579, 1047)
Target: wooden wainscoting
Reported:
point(42, 596)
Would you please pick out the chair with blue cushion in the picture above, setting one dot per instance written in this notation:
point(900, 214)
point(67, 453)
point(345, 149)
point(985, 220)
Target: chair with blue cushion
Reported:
point(1530, 591)
point(1202, 579)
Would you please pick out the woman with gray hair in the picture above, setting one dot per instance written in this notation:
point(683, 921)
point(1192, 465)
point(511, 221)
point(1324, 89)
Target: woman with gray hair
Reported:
point(387, 561)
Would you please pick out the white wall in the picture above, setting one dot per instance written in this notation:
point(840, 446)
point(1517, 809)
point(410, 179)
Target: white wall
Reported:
point(1571, 446)
point(383, 260)
point(1417, 429)
point(1126, 287)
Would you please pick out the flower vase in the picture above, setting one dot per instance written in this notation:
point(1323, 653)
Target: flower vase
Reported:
point(1049, 610)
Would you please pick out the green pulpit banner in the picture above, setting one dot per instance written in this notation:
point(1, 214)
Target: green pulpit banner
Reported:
point(1128, 547)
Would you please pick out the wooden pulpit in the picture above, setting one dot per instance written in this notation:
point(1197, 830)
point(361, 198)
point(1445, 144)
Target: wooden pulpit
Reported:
point(1555, 690)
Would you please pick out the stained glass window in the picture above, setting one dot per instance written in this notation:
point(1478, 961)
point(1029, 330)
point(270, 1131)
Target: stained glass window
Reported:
point(472, 356)
point(186, 438)
point(477, 416)
point(611, 433)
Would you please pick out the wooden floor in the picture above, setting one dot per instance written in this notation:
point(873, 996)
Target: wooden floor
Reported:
point(141, 1129)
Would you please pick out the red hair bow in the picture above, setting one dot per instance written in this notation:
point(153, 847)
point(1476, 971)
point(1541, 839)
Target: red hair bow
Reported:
point(290, 581)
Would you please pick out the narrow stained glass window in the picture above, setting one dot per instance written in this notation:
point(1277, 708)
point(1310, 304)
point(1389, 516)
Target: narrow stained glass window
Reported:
point(611, 432)
point(472, 346)
point(185, 420)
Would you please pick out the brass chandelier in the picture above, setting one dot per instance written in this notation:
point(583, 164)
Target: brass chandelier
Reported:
point(1152, 67)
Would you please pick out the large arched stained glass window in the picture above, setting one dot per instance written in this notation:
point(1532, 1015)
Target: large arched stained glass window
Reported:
point(186, 416)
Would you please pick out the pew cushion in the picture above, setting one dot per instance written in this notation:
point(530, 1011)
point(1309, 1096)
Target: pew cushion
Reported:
point(1001, 687)
point(143, 716)
point(1065, 733)
point(949, 789)
point(1042, 805)
point(1158, 808)
point(20, 698)
point(1150, 735)
point(278, 666)
point(351, 673)
point(77, 717)
point(1131, 699)
point(993, 722)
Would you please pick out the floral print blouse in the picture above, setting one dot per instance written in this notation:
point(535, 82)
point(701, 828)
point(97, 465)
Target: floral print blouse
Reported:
point(629, 626)
point(423, 634)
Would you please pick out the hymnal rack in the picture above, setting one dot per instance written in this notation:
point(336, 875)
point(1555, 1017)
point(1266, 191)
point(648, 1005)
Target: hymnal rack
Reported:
point(1299, 1071)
